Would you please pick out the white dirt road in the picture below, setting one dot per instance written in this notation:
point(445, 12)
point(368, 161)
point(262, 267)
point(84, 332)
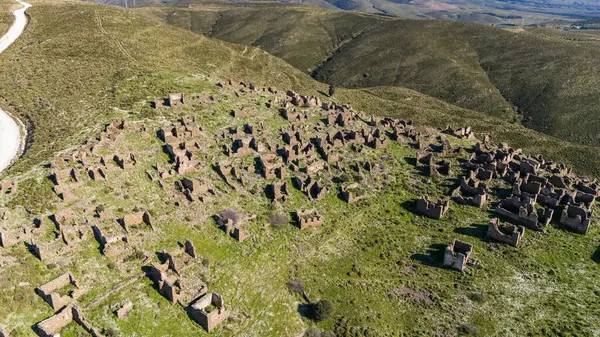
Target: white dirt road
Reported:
point(10, 134)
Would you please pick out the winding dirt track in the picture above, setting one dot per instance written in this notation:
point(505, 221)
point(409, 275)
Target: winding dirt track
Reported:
point(10, 134)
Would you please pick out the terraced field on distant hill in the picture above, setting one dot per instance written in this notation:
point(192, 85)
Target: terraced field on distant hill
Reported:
point(551, 83)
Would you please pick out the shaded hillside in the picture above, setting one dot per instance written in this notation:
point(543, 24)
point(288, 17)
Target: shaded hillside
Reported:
point(551, 82)
point(425, 67)
point(273, 27)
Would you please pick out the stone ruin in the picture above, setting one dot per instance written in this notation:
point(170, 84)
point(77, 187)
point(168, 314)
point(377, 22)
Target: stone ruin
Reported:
point(171, 279)
point(242, 147)
point(233, 229)
point(64, 306)
point(125, 162)
point(195, 189)
point(308, 218)
point(471, 192)
point(457, 255)
point(522, 210)
point(540, 187)
point(303, 101)
point(124, 310)
point(173, 100)
point(243, 112)
point(431, 209)
point(310, 186)
point(506, 233)
point(8, 187)
point(113, 241)
point(10, 237)
point(293, 115)
point(49, 292)
point(486, 163)
point(271, 166)
point(52, 326)
point(461, 133)
point(352, 193)
point(208, 311)
point(176, 99)
point(431, 167)
point(277, 191)
point(178, 281)
point(575, 218)
point(70, 233)
point(60, 177)
point(314, 154)
point(134, 219)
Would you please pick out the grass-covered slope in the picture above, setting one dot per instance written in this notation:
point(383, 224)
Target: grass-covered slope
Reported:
point(404, 103)
point(376, 260)
point(303, 36)
point(553, 83)
point(74, 65)
point(79, 66)
point(104, 67)
point(6, 16)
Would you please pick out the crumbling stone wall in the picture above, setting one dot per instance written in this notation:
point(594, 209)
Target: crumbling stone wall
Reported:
point(575, 218)
point(506, 233)
point(457, 254)
point(209, 320)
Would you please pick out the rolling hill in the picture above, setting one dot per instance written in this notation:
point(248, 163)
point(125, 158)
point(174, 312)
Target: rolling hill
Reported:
point(89, 78)
point(552, 83)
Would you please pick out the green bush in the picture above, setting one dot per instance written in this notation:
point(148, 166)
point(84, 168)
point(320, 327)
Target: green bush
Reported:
point(322, 310)
point(278, 220)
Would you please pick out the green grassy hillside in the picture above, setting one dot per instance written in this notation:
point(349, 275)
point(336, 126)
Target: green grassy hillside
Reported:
point(6, 16)
point(376, 260)
point(552, 82)
point(64, 81)
point(93, 78)
point(272, 27)
point(79, 66)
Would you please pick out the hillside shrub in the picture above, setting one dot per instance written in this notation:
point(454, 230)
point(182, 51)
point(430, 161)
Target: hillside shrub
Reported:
point(322, 310)
point(278, 220)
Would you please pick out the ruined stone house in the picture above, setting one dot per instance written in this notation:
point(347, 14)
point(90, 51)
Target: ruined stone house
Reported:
point(308, 218)
point(522, 210)
point(277, 191)
point(53, 325)
point(471, 192)
point(209, 311)
point(576, 219)
point(505, 232)
point(175, 99)
point(134, 219)
point(457, 255)
point(431, 209)
point(49, 291)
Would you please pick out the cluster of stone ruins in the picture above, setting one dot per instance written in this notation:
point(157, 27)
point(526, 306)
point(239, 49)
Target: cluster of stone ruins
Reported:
point(540, 188)
point(306, 154)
